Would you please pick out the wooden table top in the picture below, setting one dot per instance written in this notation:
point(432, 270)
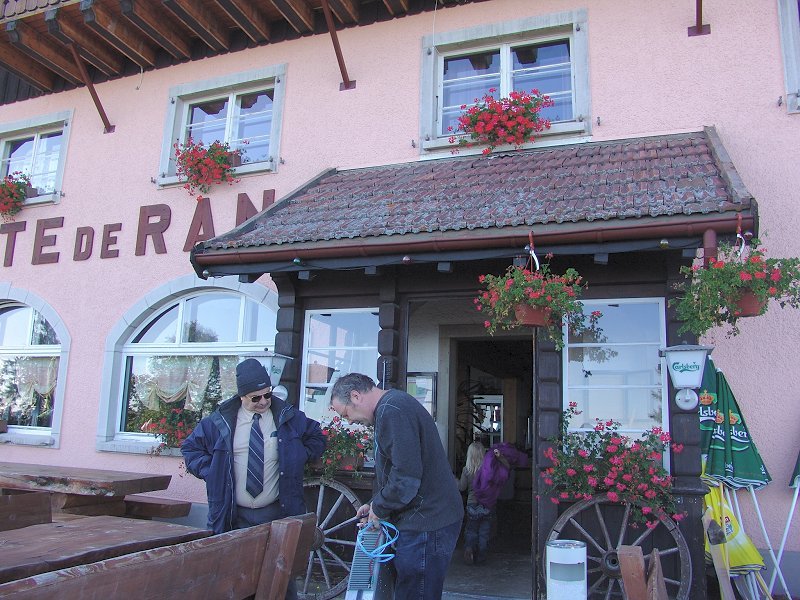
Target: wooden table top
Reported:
point(74, 480)
point(49, 546)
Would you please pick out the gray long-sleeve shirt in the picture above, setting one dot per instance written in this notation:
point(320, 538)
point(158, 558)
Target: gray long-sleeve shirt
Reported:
point(416, 489)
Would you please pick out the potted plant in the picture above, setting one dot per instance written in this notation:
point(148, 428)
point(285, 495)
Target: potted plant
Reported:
point(203, 166)
point(347, 446)
point(494, 122)
point(734, 285)
point(171, 426)
point(603, 461)
point(14, 190)
point(523, 296)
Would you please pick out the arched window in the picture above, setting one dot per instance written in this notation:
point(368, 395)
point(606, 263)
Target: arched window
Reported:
point(179, 364)
point(30, 354)
point(177, 348)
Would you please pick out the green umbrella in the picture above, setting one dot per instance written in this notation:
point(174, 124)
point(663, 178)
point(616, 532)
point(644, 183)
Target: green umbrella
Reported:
point(731, 454)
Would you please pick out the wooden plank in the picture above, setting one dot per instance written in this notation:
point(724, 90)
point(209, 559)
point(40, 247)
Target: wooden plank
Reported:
point(286, 554)
point(227, 565)
point(150, 506)
point(152, 23)
point(656, 586)
point(41, 49)
point(22, 510)
point(631, 565)
point(41, 548)
point(74, 480)
point(201, 22)
point(716, 537)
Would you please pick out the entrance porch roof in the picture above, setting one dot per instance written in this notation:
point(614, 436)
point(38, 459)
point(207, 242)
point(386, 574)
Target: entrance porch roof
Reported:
point(614, 195)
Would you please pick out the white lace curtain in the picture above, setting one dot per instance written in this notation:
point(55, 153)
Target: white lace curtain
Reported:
point(170, 379)
point(36, 374)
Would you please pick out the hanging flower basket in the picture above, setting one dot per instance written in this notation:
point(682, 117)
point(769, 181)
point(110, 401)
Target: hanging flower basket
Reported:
point(13, 194)
point(493, 122)
point(738, 283)
point(554, 297)
point(531, 316)
point(203, 167)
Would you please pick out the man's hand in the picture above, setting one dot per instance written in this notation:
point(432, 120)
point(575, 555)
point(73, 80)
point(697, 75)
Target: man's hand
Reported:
point(367, 517)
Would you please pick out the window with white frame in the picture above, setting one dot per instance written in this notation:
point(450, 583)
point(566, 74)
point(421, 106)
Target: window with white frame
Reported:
point(181, 363)
point(30, 353)
point(37, 148)
point(614, 372)
point(548, 54)
point(337, 342)
point(243, 110)
point(789, 18)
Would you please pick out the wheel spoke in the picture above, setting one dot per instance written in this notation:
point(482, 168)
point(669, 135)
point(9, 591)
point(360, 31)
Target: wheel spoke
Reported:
point(610, 587)
point(624, 525)
point(645, 534)
point(672, 581)
point(340, 525)
point(340, 541)
point(332, 511)
point(603, 526)
point(597, 584)
point(319, 500)
point(586, 535)
point(596, 559)
point(337, 558)
point(324, 568)
point(668, 552)
point(308, 571)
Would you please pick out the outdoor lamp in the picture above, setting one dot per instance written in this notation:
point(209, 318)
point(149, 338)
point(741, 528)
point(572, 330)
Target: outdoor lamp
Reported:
point(686, 364)
point(274, 363)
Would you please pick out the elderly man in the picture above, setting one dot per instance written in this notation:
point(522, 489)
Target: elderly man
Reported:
point(251, 452)
point(416, 490)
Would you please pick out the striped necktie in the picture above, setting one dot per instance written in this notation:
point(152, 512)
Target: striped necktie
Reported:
point(255, 459)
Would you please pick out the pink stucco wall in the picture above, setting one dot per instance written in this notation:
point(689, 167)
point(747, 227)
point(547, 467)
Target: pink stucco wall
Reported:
point(647, 78)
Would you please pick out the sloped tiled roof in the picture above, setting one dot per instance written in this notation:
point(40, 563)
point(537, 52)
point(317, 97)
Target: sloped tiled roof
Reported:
point(641, 180)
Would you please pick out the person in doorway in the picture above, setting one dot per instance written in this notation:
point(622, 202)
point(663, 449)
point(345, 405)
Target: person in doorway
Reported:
point(479, 517)
point(251, 452)
point(415, 487)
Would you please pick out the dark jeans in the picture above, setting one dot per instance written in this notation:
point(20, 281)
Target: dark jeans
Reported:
point(250, 517)
point(421, 561)
point(476, 536)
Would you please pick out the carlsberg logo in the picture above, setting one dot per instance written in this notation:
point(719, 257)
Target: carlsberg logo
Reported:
point(684, 367)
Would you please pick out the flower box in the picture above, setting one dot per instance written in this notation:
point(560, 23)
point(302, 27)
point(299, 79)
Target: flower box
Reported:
point(201, 166)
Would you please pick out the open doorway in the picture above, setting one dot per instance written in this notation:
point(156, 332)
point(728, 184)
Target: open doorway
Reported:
point(494, 404)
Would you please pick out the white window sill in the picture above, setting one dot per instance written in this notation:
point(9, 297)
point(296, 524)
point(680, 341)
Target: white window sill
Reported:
point(165, 181)
point(41, 439)
point(558, 134)
point(134, 446)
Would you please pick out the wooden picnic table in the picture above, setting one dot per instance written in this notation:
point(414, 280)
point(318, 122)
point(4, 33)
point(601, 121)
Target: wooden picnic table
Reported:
point(81, 491)
point(50, 546)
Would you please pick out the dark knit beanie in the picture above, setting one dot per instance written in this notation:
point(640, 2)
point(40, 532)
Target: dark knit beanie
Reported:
point(251, 376)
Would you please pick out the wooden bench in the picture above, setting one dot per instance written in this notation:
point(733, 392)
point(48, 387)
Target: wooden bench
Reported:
point(256, 561)
point(147, 507)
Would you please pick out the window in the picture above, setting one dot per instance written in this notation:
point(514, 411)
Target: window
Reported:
point(180, 354)
point(789, 17)
point(337, 342)
point(37, 148)
point(544, 53)
point(33, 357)
point(616, 373)
point(243, 110)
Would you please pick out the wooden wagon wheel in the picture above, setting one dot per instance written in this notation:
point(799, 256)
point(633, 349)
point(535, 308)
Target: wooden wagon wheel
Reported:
point(604, 525)
point(334, 541)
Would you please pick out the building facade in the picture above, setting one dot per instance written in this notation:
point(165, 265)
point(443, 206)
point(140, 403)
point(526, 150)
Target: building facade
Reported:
point(353, 237)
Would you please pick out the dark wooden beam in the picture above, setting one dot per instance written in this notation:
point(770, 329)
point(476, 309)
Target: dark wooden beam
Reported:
point(345, 10)
point(116, 31)
point(107, 126)
point(91, 51)
point(152, 25)
point(347, 83)
point(298, 13)
point(248, 17)
point(201, 22)
point(396, 7)
point(37, 47)
point(26, 69)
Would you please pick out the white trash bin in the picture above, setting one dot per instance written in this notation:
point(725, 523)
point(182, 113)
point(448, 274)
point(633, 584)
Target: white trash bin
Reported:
point(566, 570)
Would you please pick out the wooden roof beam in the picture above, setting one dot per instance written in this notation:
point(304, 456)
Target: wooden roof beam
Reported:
point(396, 7)
point(152, 24)
point(115, 30)
point(201, 22)
point(345, 10)
point(298, 13)
point(23, 67)
point(248, 17)
point(90, 51)
point(76, 55)
point(23, 37)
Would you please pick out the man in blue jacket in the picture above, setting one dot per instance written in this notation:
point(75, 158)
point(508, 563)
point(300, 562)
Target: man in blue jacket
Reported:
point(251, 452)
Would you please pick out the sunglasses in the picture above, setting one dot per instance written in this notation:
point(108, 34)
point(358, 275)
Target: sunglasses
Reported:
point(258, 398)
